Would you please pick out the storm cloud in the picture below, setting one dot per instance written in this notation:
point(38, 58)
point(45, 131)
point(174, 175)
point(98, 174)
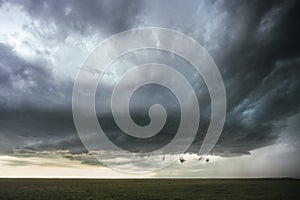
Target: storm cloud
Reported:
point(255, 45)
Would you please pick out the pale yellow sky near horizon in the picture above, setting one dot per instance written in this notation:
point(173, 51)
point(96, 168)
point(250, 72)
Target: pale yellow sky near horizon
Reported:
point(257, 164)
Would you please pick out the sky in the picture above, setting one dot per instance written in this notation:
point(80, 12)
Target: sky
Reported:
point(255, 45)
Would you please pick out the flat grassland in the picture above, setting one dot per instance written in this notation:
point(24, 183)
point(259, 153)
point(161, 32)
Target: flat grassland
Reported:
point(149, 189)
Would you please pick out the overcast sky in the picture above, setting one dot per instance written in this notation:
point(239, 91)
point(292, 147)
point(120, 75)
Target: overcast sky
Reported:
point(255, 45)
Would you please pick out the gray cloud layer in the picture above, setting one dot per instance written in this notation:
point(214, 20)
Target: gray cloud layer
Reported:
point(255, 45)
point(106, 16)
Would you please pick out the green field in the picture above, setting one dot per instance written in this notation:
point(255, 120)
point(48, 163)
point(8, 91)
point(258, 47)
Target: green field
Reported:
point(149, 189)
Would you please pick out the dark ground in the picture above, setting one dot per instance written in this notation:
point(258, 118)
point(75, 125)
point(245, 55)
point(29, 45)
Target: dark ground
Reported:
point(149, 189)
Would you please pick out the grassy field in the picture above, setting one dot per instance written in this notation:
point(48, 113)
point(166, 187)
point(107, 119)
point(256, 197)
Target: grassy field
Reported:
point(149, 189)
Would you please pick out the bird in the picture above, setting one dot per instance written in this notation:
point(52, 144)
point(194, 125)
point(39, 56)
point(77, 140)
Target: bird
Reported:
point(181, 159)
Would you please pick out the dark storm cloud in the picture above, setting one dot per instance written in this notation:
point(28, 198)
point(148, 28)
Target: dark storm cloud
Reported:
point(256, 47)
point(35, 110)
point(261, 74)
point(255, 44)
point(257, 52)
